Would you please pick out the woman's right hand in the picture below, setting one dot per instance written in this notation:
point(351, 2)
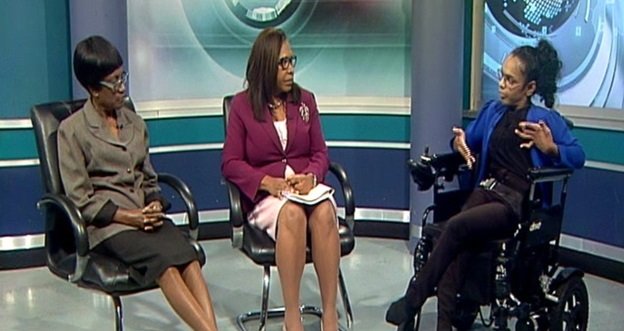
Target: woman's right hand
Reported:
point(275, 186)
point(138, 218)
point(459, 144)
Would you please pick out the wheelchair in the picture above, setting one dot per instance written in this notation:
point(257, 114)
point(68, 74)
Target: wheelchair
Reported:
point(519, 277)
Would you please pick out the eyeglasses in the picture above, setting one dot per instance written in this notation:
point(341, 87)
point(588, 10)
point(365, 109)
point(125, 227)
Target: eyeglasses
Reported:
point(508, 80)
point(117, 85)
point(286, 60)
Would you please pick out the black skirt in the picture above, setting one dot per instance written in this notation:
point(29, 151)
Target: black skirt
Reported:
point(149, 254)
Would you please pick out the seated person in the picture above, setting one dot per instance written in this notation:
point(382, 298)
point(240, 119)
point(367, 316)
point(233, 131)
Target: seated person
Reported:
point(510, 136)
point(106, 172)
point(274, 144)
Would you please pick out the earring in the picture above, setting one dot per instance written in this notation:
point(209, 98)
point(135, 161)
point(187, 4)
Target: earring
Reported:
point(97, 95)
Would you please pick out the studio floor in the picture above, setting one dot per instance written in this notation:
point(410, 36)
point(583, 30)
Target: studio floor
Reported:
point(376, 273)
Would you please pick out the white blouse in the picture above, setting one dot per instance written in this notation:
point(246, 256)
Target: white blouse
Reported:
point(282, 133)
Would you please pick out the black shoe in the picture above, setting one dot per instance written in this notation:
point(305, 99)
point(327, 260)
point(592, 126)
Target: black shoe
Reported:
point(398, 315)
point(407, 325)
point(396, 312)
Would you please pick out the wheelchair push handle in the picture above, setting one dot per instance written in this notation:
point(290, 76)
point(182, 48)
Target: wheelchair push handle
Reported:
point(538, 175)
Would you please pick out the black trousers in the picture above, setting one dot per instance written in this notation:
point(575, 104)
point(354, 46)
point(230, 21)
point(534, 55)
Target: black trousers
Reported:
point(484, 217)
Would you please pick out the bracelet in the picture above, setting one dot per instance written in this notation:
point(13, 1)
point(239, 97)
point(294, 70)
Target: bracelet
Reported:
point(313, 180)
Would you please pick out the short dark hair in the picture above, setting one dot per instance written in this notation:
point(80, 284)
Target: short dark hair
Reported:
point(94, 59)
point(261, 74)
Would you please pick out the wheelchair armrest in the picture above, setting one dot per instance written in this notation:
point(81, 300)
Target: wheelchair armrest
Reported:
point(81, 238)
point(447, 162)
point(187, 197)
point(347, 192)
point(539, 175)
point(237, 218)
point(429, 168)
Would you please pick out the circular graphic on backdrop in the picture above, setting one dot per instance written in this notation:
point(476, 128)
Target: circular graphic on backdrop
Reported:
point(532, 18)
point(226, 29)
point(261, 14)
point(584, 32)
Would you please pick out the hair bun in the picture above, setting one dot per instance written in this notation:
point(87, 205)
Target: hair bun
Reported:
point(549, 66)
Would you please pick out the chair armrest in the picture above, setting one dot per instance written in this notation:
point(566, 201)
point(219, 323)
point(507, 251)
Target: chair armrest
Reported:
point(237, 218)
point(428, 168)
point(347, 192)
point(78, 227)
point(539, 175)
point(187, 197)
point(448, 164)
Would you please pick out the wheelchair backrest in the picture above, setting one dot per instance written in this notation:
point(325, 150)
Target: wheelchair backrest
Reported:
point(543, 226)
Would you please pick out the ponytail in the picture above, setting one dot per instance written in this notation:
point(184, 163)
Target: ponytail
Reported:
point(549, 69)
point(541, 64)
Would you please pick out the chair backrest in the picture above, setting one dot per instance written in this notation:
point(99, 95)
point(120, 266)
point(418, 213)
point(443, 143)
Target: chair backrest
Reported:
point(567, 121)
point(237, 213)
point(227, 103)
point(45, 119)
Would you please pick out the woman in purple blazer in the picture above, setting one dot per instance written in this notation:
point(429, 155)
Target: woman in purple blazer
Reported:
point(274, 144)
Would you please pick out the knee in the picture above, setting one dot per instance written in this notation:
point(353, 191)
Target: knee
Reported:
point(455, 228)
point(324, 216)
point(292, 218)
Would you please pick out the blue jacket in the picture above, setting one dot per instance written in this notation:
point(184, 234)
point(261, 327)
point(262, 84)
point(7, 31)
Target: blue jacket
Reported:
point(479, 131)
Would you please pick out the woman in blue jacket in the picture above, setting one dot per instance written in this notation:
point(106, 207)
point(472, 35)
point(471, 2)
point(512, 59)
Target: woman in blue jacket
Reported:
point(510, 136)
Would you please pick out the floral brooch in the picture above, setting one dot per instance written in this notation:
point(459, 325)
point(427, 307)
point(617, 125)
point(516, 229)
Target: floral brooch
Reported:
point(304, 112)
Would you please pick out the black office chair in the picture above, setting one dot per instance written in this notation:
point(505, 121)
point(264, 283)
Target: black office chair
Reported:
point(66, 239)
point(260, 248)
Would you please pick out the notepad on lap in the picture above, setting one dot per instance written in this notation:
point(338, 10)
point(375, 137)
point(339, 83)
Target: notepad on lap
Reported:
point(319, 193)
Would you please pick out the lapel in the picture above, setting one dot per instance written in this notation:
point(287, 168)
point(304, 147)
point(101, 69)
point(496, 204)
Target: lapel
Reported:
point(126, 134)
point(292, 123)
point(97, 127)
point(269, 129)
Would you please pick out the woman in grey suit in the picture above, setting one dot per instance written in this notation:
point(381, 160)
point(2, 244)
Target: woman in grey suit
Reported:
point(106, 172)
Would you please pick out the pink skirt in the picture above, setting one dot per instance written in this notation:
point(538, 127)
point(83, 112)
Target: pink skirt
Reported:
point(264, 215)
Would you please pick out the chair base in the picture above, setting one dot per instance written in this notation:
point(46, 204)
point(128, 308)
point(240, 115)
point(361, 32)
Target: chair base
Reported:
point(273, 313)
point(277, 312)
point(118, 313)
point(265, 313)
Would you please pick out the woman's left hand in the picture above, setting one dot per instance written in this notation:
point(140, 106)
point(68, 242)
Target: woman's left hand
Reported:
point(301, 183)
point(153, 215)
point(538, 135)
point(153, 207)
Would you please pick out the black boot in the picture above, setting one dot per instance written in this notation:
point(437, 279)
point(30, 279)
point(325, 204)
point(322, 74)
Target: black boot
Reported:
point(401, 314)
point(407, 325)
point(396, 312)
point(403, 311)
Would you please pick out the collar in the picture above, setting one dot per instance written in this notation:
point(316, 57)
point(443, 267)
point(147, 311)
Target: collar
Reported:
point(95, 120)
point(96, 124)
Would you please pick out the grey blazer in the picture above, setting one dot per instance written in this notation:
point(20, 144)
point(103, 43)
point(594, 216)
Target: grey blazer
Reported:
point(101, 173)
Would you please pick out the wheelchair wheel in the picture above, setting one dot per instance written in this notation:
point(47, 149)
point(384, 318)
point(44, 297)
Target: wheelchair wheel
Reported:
point(572, 310)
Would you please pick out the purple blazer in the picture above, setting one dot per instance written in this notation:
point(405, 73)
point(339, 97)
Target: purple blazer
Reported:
point(252, 149)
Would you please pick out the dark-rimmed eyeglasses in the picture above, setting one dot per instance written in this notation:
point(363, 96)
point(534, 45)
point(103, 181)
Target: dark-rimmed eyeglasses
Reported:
point(508, 80)
point(287, 60)
point(118, 85)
